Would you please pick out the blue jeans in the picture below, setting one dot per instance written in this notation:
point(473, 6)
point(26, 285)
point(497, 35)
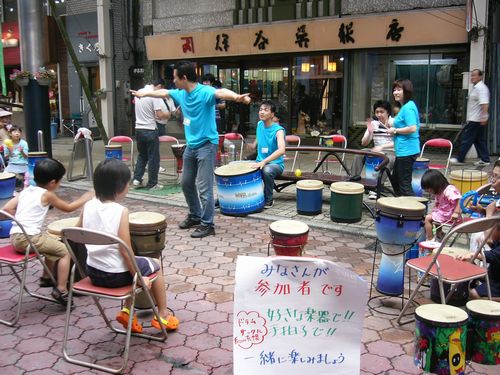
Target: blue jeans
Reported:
point(269, 173)
point(198, 182)
point(148, 146)
point(474, 134)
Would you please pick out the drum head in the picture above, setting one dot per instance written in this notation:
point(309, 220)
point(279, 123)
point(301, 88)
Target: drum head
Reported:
point(453, 251)
point(39, 154)
point(289, 227)
point(113, 147)
point(429, 245)
point(468, 175)
point(309, 185)
point(6, 175)
point(405, 206)
point(347, 188)
point(441, 314)
point(423, 160)
point(145, 218)
point(234, 169)
point(178, 146)
point(484, 308)
point(57, 226)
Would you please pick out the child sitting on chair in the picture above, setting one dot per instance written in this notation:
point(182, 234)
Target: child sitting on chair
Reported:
point(109, 265)
point(447, 205)
point(30, 208)
point(270, 145)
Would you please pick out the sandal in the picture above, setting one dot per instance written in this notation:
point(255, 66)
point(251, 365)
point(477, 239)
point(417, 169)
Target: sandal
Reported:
point(61, 297)
point(171, 323)
point(123, 316)
point(45, 282)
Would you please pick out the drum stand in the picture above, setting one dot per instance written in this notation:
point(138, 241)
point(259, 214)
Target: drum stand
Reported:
point(381, 307)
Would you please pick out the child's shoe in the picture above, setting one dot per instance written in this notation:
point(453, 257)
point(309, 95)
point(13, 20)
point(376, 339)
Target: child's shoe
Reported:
point(122, 318)
point(171, 324)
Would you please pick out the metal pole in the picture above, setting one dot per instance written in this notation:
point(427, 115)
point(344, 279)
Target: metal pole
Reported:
point(41, 146)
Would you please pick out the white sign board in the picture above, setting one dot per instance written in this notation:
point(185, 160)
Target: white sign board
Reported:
point(297, 316)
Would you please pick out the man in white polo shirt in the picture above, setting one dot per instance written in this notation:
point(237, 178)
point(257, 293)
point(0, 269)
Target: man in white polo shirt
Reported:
point(474, 132)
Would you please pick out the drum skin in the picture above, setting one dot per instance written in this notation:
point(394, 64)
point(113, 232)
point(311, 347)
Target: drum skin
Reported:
point(440, 339)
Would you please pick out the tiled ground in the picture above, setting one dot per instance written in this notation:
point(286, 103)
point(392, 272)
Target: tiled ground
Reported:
point(200, 278)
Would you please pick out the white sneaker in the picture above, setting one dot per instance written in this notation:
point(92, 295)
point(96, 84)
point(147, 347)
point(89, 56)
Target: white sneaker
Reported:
point(372, 195)
point(156, 187)
point(481, 163)
point(136, 183)
point(161, 169)
point(455, 161)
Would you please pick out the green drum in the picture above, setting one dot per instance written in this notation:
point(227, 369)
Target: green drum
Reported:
point(346, 202)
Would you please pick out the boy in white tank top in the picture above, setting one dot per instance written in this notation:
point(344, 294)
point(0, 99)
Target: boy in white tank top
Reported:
point(30, 208)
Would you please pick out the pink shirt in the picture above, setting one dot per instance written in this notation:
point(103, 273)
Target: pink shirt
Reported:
point(445, 204)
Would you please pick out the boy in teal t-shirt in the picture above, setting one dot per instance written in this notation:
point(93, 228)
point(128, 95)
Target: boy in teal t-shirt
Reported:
point(271, 148)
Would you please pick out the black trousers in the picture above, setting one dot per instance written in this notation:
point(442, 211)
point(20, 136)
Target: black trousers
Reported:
point(401, 175)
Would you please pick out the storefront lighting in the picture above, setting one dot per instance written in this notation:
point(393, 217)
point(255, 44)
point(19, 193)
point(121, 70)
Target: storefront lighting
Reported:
point(305, 67)
point(341, 59)
point(332, 66)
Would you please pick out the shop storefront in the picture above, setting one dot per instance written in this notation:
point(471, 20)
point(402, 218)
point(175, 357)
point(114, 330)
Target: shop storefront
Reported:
point(324, 75)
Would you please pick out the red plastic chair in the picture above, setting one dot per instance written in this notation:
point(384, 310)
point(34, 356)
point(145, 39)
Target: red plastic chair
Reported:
point(292, 140)
point(331, 141)
point(129, 142)
point(167, 155)
point(236, 137)
point(439, 143)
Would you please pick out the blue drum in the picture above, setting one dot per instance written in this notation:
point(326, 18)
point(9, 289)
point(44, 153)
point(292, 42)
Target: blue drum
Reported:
point(240, 189)
point(7, 185)
point(398, 220)
point(371, 162)
point(391, 276)
point(113, 152)
point(420, 166)
point(5, 226)
point(33, 158)
point(309, 197)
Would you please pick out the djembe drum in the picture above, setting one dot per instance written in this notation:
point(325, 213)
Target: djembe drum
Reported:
point(178, 151)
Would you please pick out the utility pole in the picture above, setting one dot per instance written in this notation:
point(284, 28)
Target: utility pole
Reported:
point(33, 56)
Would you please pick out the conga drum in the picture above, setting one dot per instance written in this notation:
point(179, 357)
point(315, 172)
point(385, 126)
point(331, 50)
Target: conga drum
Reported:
point(55, 228)
point(372, 162)
point(147, 233)
point(425, 202)
point(7, 185)
point(391, 271)
point(420, 166)
point(33, 158)
point(461, 294)
point(398, 220)
point(178, 151)
point(309, 197)
point(346, 202)
point(113, 151)
point(289, 237)
point(466, 180)
point(240, 189)
point(440, 339)
point(483, 339)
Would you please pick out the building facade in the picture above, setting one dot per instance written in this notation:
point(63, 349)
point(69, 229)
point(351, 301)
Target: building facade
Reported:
point(324, 63)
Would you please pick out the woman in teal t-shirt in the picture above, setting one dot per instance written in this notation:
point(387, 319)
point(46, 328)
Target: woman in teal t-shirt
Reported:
point(406, 137)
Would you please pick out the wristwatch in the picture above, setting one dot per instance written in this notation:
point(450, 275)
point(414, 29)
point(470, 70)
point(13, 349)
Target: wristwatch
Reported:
point(395, 130)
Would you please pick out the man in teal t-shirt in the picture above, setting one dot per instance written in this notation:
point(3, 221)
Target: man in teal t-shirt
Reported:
point(271, 148)
point(198, 108)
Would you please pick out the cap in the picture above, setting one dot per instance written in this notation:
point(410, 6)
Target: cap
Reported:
point(4, 113)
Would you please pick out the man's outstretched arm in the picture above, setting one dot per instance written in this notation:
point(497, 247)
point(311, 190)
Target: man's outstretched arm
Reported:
point(162, 93)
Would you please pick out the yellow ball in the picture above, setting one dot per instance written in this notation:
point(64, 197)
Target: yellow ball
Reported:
point(8, 142)
point(298, 172)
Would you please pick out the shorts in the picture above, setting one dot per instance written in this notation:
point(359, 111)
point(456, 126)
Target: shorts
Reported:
point(48, 246)
point(494, 286)
point(147, 266)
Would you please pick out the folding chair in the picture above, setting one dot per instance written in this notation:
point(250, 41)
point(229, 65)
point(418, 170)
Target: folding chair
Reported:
point(168, 155)
point(236, 137)
point(439, 143)
point(12, 259)
point(85, 287)
point(124, 140)
point(449, 270)
point(331, 141)
point(292, 140)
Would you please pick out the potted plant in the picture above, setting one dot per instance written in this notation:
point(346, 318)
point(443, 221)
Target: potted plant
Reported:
point(44, 77)
point(21, 77)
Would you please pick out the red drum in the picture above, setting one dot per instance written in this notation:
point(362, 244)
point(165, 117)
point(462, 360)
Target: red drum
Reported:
point(289, 237)
point(178, 151)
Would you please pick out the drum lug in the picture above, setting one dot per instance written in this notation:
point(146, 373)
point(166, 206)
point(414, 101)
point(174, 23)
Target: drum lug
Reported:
point(158, 237)
point(400, 221)
point(377, 216)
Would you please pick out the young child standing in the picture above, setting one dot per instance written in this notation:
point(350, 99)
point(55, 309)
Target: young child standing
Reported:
point(271, 148)
point(16, 152)
point(110, 266)
point(447, 205)
point(30, 208)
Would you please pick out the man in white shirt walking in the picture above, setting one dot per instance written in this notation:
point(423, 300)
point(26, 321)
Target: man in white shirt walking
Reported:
point(474, 133)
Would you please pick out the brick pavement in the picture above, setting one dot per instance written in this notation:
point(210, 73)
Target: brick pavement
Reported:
point(200, 277)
